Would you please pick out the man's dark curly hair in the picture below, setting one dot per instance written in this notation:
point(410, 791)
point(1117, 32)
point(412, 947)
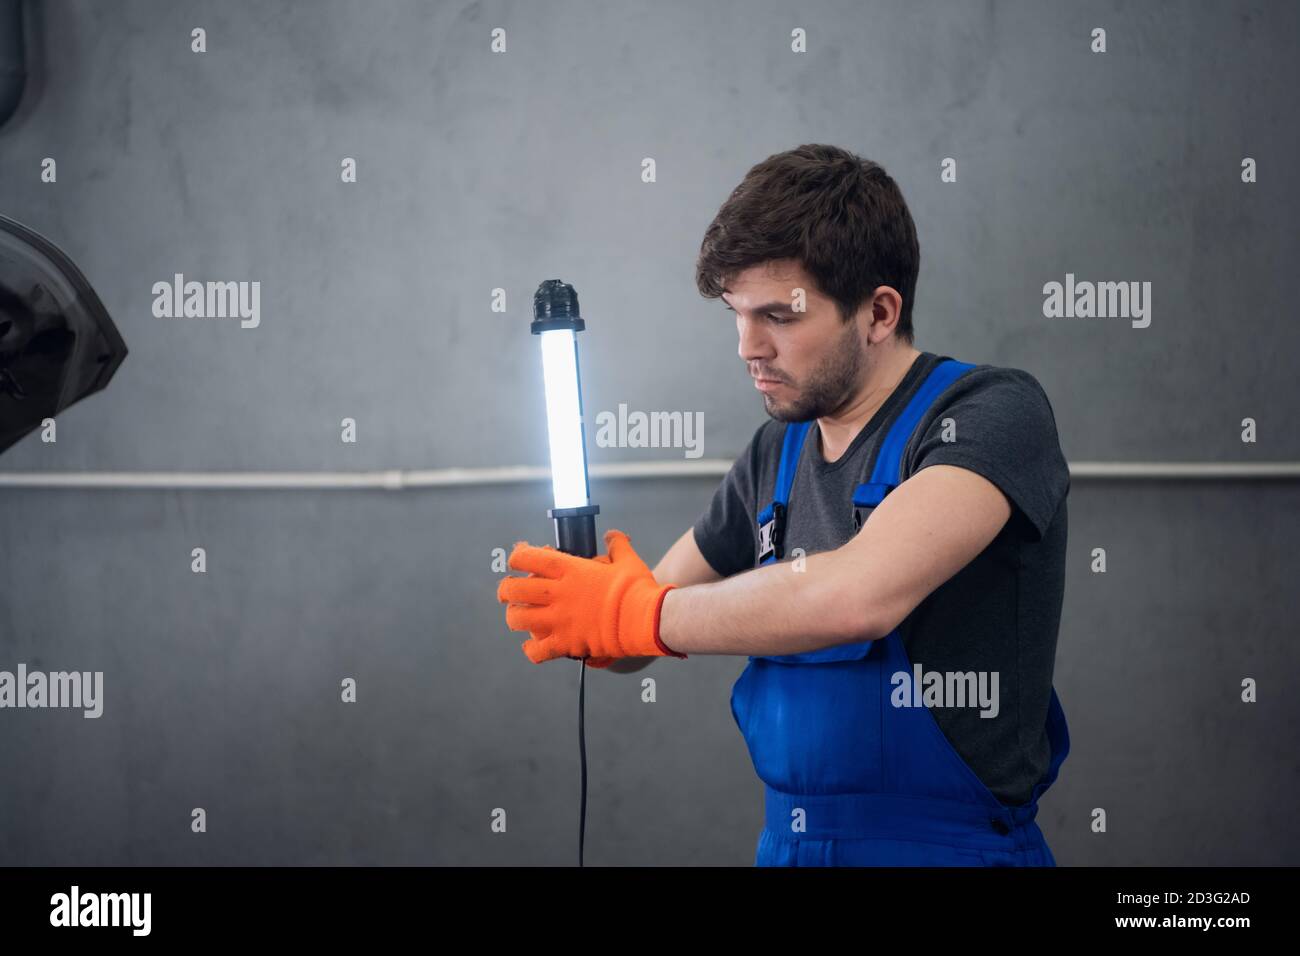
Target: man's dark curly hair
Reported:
point(841, 216)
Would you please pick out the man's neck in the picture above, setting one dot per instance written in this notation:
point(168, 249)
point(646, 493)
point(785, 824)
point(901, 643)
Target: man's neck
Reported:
point(838, 431)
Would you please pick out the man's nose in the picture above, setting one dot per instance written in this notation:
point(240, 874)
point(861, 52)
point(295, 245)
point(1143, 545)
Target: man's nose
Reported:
point(754, 343)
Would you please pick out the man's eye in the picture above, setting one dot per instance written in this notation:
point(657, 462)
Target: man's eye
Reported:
point(767, 315)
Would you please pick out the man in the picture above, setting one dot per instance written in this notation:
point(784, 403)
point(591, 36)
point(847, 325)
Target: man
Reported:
point(888, 551)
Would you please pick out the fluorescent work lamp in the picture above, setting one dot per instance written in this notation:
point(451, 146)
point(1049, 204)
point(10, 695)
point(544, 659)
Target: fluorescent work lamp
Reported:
point(556, 320)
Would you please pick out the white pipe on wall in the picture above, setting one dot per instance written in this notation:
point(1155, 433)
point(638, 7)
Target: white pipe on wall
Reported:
point(395, 480)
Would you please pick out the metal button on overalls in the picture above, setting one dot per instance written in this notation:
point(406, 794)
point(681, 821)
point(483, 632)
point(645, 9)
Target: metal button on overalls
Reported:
point(849, 779)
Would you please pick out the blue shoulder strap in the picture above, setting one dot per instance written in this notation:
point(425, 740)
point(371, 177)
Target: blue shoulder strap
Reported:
point(887, 474)
point(771, 520)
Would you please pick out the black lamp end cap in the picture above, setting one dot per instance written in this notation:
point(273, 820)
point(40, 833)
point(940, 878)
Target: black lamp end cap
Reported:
point(555, 306)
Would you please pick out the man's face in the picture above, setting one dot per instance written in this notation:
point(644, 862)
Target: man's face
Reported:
point(815, 358)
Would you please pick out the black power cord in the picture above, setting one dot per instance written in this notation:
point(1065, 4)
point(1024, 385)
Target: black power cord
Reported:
point(582, 755)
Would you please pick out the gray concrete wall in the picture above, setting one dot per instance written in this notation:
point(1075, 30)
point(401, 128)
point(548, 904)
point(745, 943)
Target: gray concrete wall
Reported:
point(480, 170)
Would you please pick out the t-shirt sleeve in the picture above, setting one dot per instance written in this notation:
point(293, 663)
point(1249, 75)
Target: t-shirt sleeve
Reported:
point(1002, 427)
point(726, 533)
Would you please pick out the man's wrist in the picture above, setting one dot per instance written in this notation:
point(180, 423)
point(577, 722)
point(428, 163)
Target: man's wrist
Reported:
point(659, 605)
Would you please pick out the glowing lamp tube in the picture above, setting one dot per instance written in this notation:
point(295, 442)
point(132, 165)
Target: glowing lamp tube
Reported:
point(556, 321)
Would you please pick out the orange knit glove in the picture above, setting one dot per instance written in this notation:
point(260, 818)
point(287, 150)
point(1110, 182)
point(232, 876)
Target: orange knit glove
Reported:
point(591, 661)
point(583, 607)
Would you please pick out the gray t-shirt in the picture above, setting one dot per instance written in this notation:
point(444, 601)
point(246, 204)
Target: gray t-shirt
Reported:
point(1000, 612)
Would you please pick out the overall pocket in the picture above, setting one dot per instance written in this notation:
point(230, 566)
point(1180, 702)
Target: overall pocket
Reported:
point(812, 728)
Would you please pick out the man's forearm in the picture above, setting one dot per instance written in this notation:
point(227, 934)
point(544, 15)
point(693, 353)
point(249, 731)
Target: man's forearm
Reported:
point(766, 611)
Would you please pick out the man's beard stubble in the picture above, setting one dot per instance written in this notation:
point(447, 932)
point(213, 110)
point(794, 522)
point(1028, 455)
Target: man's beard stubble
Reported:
point(830, 386)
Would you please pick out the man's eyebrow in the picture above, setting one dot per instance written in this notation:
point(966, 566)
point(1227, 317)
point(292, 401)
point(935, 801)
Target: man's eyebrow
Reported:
point(774, 306)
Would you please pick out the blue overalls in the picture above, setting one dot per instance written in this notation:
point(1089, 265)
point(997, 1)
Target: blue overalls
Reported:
point(850, 779)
